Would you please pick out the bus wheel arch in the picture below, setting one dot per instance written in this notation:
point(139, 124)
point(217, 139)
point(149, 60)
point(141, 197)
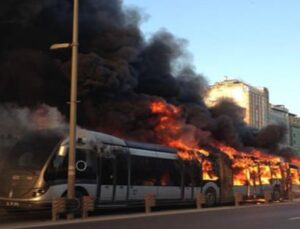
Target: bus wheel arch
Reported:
point(79, 192)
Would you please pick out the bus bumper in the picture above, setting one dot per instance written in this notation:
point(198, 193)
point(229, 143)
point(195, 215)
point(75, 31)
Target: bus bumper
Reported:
point(23, 204)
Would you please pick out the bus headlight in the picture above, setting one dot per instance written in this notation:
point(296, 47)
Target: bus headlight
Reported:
point(39, 192)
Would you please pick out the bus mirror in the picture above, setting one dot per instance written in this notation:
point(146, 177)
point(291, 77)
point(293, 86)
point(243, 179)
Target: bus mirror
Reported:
point(81, 141)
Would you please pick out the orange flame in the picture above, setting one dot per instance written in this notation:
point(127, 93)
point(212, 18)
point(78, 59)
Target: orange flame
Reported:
point(245, 165)
point(171, 130)
point(276, 172)
point(295, 176)
point(295, 160)
point(208, 172)
point(251, 167)
point(265, 174)
point(174, 132)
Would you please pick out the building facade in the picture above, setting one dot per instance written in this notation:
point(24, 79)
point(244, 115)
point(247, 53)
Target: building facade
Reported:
point(294, 123)
point(254, 100)
point(279, 114)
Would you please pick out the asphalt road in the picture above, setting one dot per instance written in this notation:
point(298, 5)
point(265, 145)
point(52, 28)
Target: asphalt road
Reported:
point(275, 216)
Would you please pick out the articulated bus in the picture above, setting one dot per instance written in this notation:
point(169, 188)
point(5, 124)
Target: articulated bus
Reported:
point(113, 171)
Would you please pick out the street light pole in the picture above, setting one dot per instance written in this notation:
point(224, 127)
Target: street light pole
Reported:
point(73, 105)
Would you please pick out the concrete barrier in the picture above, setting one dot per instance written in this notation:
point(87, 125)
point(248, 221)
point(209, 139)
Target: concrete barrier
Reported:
point(150, 201)
point(268, 196)
point(87, 205)
point(58, 207)
point(238, 197)
point(200, 199)
point(290, 195)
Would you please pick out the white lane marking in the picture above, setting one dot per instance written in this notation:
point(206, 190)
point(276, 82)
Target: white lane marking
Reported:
point(294, 218)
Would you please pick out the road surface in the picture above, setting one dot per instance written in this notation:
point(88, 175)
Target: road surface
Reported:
point(275, 216)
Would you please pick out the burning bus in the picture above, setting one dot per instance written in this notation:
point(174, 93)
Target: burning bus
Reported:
point(255, 172)
point(117, 172)
point(113, 171)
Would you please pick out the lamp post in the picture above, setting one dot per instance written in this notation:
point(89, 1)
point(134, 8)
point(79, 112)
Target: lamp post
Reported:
point(73, 105)
point(73, 100)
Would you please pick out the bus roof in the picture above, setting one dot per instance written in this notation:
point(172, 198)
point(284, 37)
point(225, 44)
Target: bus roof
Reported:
point(96, 137)
point(153, 147)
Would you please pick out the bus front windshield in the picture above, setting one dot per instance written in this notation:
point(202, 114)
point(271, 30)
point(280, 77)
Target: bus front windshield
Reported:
point(32, 151)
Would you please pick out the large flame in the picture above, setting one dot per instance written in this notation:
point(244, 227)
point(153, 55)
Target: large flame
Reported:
point(295, 160)
point(174, 132)
point(251, 167)
point(294, 174)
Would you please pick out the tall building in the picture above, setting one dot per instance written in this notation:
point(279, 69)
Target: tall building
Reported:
point(279, 114)
point(294, 123)
point(254, 100)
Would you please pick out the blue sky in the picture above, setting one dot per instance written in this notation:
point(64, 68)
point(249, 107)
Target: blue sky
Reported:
point(257, 41)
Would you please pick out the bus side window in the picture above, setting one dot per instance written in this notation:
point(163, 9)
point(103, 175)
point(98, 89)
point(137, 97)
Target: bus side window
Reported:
point(145, 171)
point(169, 173)
point(150, 171)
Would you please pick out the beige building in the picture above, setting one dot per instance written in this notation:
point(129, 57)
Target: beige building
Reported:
point(295, 132)
point(254, 100)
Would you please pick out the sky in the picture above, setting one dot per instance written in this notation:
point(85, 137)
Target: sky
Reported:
point(256, 41)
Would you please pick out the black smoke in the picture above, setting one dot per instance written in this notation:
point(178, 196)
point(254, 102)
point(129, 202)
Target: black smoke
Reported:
point(270, 136)
point(119, 74)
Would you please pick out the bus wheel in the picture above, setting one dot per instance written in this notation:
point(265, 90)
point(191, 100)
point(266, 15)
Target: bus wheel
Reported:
point(276, 194)
point(210, 197)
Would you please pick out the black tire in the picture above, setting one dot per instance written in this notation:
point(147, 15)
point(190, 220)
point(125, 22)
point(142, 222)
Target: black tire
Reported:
point(210, 197)
point(79, 194)
point(276, 195)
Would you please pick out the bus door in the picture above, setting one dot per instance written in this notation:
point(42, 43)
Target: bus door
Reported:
point(122, 178)
point(143, 174)
point(192, 179)
point(254, 182)
point(107, 171)
point(226, 179)
point(169, 174)
point(197, 178)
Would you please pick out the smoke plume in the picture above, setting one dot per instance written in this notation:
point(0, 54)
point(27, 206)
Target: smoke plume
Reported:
point(16, 121)
point(120, 74)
